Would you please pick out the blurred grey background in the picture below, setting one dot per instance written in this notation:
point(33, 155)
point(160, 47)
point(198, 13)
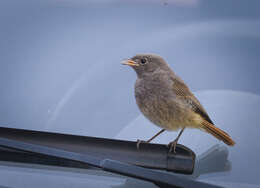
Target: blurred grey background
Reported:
point(60, 67)
point(60, 60)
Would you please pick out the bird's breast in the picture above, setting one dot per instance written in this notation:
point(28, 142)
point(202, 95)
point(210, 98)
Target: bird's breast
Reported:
point(159, 104)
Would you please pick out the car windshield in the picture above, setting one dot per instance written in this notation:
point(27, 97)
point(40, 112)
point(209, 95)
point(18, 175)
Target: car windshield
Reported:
point(60, 72)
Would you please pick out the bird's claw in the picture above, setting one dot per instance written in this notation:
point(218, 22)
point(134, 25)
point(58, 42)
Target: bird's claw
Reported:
point(172, 146)
point(139, 142)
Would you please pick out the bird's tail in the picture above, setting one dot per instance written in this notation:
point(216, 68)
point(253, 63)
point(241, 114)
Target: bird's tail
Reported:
point(218, 133)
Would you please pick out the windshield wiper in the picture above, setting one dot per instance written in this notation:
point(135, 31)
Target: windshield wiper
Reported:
point(17, 141)
point(162, 179)
point(155, 156)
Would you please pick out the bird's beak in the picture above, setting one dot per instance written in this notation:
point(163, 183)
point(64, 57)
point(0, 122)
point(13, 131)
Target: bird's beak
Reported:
point(130, 63)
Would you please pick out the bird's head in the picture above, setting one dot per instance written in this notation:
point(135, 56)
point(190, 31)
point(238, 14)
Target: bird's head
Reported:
point(144, 64)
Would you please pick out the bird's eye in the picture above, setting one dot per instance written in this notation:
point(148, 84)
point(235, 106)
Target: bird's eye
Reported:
point(143, 61)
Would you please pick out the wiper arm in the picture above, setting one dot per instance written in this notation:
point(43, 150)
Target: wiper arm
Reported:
point(162, 179)
point(154, 156)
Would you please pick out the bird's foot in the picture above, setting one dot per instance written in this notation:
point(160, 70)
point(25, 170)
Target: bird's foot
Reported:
point(139, 142)
point(172, 146)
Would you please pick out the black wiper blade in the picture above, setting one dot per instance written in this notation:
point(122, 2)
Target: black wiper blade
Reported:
point(44, 150)
point(162, 179)
point(154, 156)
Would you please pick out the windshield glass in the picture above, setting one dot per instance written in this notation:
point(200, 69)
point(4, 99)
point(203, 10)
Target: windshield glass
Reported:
point(60, 70)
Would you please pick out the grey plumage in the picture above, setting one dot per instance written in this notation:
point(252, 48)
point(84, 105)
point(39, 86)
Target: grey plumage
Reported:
point(165, 99)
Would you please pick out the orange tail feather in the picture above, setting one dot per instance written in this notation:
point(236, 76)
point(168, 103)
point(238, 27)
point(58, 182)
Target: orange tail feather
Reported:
point(218, 133)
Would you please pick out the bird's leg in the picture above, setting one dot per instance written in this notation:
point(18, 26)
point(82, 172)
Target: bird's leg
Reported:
point(173, 144)
point(153, 137)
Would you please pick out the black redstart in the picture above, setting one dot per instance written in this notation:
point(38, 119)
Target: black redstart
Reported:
point(166, 100)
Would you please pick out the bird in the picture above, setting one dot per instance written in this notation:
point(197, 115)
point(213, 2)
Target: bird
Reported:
point(165, 100)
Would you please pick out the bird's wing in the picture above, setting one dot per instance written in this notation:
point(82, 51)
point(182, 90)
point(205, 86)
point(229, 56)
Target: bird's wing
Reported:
point(182, 91)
